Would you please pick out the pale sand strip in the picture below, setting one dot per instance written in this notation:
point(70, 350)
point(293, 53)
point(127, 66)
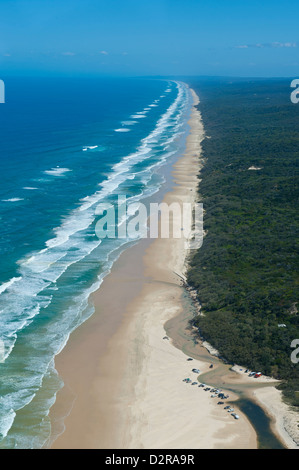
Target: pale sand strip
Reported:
point(165, 412)
point(285, 420)
point(126, 380)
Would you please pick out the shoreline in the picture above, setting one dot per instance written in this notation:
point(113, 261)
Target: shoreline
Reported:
point(283, 418)
point(158, 369)
point(123, 380)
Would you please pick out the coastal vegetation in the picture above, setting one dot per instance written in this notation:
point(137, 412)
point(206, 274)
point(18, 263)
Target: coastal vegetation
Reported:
point(246, 272)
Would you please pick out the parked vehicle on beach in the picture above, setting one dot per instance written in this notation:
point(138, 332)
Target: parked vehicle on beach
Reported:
point(223, 396)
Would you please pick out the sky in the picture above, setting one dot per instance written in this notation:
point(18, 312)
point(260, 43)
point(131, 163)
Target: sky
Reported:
point(149, 37)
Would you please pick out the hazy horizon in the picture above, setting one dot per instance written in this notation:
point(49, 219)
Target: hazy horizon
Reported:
point(160, 38)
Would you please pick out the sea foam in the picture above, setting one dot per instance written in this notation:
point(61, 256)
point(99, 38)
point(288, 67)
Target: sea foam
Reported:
point(13, 199)
point(57, 171)
point(90, 147)
point(6, 285)
point(35, 289)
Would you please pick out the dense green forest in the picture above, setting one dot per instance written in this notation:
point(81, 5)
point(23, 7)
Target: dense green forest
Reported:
point(246, 272)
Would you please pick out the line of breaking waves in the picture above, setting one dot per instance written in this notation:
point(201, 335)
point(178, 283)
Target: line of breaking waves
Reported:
point(44, 275)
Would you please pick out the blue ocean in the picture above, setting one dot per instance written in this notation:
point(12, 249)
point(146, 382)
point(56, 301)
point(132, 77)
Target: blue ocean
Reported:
point(67, 145)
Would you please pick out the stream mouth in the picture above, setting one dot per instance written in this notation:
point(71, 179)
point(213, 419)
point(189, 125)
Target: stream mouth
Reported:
point(266, 438)
point(221, 376)
point(261, 423)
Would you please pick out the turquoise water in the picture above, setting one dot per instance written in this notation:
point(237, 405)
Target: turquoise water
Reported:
point(65, 147)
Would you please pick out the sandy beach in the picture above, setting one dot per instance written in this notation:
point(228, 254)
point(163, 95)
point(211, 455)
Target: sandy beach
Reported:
point(284, 418)
point(123, 369)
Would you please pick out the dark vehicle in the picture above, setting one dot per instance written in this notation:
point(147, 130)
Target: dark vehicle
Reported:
point(222, 396)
